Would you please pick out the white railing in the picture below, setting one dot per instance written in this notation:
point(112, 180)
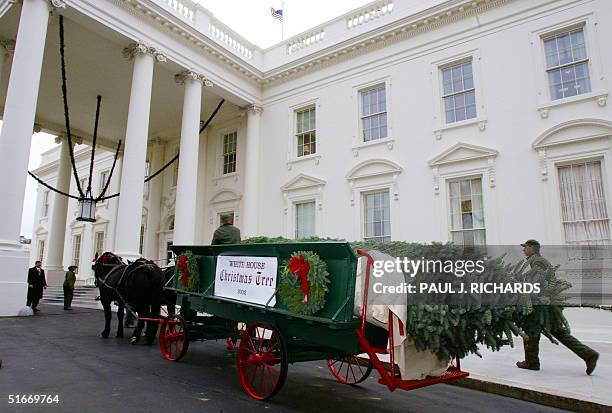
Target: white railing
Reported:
point(369, 14)
point(184, 8)
point(229, 40)
point(305, 41)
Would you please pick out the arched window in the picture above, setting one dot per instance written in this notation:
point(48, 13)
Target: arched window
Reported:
point(171, 223)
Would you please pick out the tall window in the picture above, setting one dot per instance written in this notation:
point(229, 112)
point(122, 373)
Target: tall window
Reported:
point(99, 243)
point(176, 170)
point(374, 113)
point(583, 204)
point(76, 249)
point(567, 64)
point(171, 223)
point(147, 172)
point(229, 152)
point(306, 131)
point(304, 220)
point(467, 212)
point(459, 92)
point(142, 234)
point(103, 179)
point(41, 249)
point(45, 205)
point(377, 216)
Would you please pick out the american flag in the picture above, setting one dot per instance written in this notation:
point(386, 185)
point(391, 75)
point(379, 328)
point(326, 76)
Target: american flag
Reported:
point(277, 14)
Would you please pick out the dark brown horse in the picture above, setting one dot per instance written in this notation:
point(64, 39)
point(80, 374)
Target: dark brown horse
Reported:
point(138, 285)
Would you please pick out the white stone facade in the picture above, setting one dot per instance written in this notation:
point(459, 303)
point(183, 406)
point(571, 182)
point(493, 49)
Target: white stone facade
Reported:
point(511, 146)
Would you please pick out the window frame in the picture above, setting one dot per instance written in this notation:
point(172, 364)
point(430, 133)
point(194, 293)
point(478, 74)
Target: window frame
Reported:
point(296, 134)
point(362, 116)
point(101, 181)
point(599, 90)
point(465, 91)
point(587, 60)
point(40, 250)
point(562, 162)
point(363, 194)
point(439, 121)
point(95, 239)
point(296, 216)
point(44, 213)
point(358, 142)
point(224, 134)
point(448, 181)
point(76, 249)
point(291, 128)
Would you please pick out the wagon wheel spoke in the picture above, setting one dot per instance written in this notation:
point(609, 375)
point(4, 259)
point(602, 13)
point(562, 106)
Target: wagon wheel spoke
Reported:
point(352, 372)
point(262, 361)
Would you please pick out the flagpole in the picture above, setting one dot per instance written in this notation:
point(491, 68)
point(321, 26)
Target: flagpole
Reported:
point(283, 21)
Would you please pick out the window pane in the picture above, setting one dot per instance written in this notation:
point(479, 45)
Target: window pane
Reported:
point(565, 49)
point(552, 57)
point(578, 46)
point(468, 77)
point(447, 81)
point(457, 79)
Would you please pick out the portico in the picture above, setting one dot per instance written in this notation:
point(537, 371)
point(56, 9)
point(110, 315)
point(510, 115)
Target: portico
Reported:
point(171, 90)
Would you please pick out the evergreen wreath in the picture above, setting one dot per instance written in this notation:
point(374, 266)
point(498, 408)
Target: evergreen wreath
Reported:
point(188, 271)
point(304, 282)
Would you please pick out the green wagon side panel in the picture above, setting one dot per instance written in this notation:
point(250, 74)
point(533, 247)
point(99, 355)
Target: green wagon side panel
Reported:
point(341, 264)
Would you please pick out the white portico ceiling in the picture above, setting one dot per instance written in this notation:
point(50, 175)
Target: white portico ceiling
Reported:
point(95, 65)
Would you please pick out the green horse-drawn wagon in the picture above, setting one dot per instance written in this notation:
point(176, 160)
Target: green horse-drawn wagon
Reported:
point(233, 290)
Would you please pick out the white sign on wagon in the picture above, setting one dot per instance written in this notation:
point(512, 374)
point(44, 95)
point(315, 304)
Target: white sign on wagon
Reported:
point(249, 279)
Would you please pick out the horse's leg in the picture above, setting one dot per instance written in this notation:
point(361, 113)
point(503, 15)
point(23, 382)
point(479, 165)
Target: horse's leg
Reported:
point(171, 304)
point(139, 326)
point(152, 326)
point(106, 304)
point(120, 310)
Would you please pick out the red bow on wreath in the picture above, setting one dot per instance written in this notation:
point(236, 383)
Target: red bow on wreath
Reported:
point(182, 264)
point(301, 268)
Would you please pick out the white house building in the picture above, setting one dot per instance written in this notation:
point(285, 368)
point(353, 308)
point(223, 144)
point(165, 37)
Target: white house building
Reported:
point(473, 121)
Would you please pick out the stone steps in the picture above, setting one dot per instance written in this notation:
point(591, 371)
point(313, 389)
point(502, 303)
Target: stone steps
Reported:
point(83, 296)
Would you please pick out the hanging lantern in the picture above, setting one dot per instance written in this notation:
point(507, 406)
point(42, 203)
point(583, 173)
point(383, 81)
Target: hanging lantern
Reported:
point(87, 208)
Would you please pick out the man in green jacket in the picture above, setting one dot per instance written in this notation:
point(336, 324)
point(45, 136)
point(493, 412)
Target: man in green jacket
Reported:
point(69, 282)
point(531, 249)
point(227, 233)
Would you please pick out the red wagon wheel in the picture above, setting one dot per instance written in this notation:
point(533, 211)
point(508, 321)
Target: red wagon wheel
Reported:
point(350, 369)
point(262, 361)
point(173, 338)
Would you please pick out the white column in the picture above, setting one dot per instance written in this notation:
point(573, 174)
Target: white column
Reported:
point(250, 198)
point(151, 244)
point(15, 141)
point(19, 112)
point(129, 214)
point(113, 188)
point(57, 230)
point(187, 183)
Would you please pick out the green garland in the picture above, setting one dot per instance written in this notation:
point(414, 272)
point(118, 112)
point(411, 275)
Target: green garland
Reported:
point(290, 289)
point(193, 271)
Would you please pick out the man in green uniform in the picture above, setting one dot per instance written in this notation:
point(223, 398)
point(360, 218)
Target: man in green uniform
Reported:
point(531, 249)
point(69, 286)
point(227, 233)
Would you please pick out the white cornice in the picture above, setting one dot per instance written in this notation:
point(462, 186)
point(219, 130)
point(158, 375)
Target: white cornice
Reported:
point(430, 19)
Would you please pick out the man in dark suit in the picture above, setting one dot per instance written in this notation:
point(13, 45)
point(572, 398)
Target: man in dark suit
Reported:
point(36, 283)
